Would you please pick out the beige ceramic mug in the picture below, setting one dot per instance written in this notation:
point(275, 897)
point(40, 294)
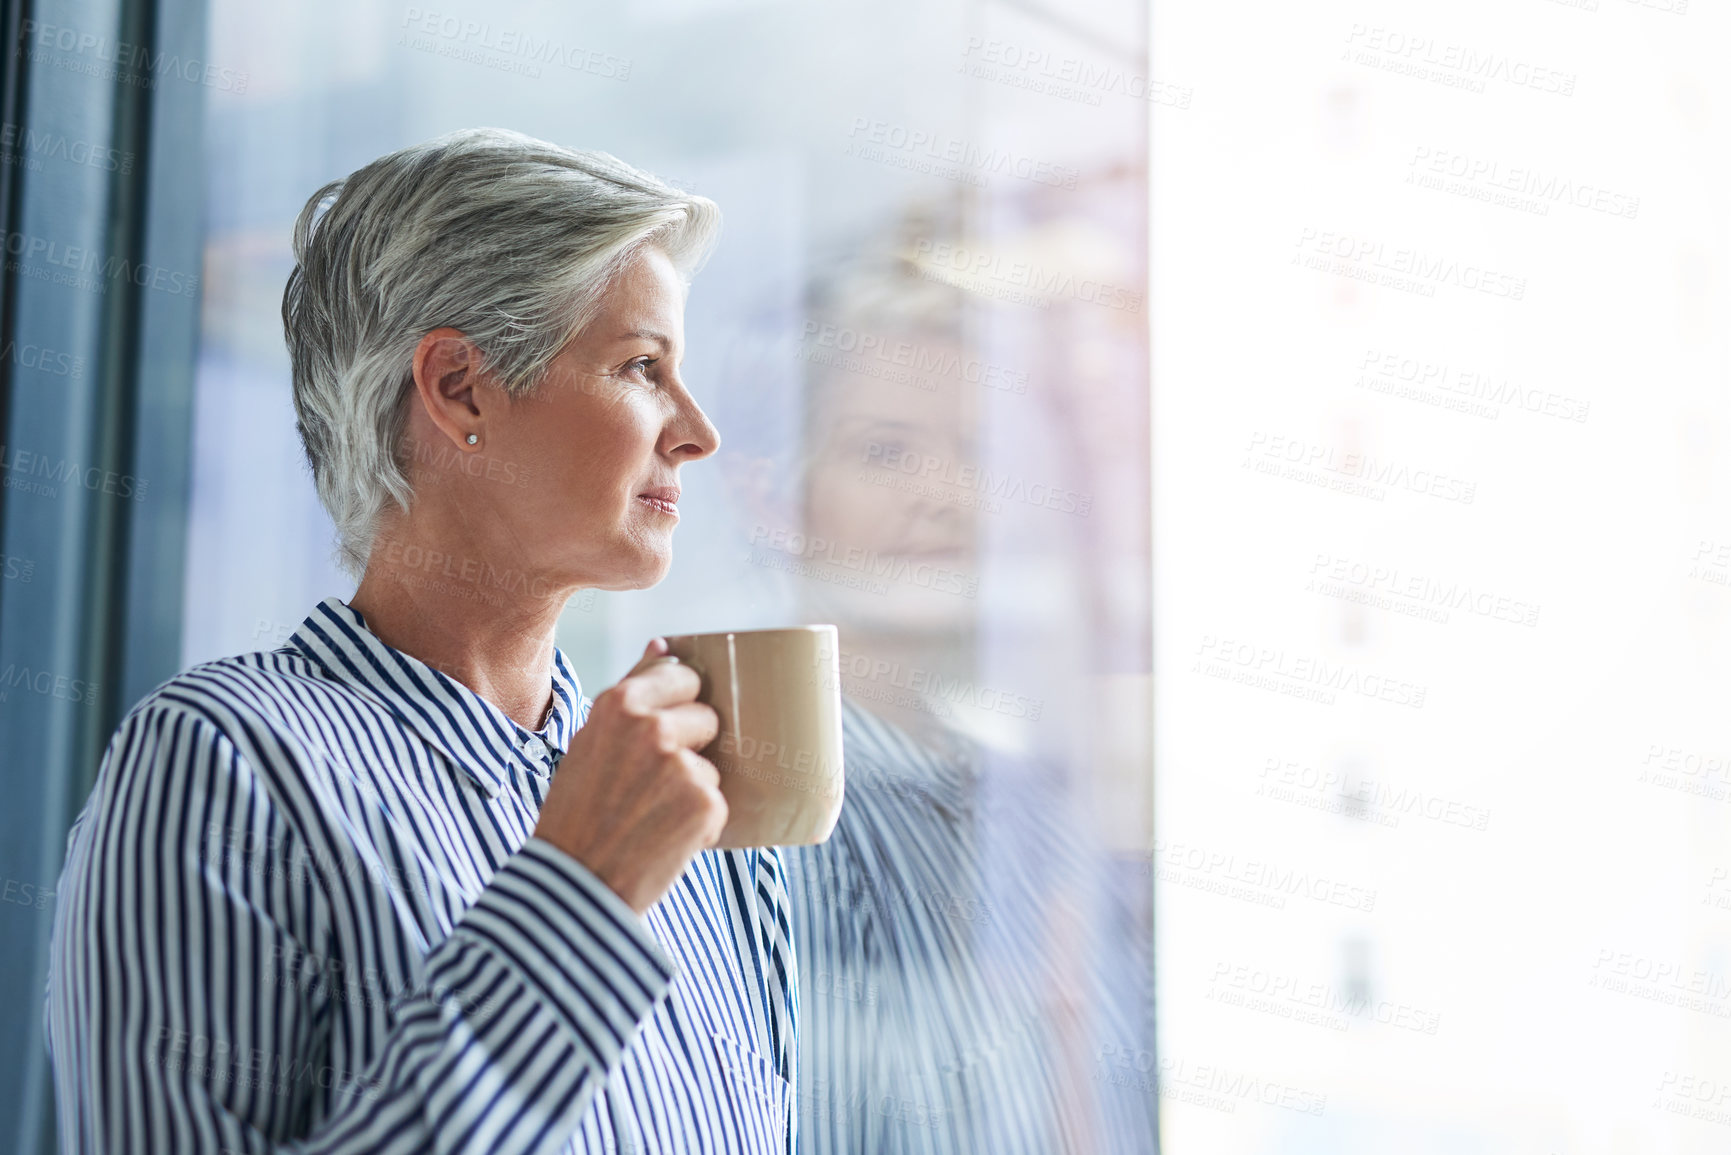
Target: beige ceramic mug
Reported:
point(778, 694)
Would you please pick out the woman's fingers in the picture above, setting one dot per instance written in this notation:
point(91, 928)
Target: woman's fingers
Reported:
point(694, 724)
point(659, 683)
point(656, 650)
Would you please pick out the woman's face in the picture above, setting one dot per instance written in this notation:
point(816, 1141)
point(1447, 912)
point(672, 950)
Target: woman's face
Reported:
point(581, 479)
point(890, 481)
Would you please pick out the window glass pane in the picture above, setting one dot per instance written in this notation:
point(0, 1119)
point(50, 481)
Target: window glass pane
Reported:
point(924, 341)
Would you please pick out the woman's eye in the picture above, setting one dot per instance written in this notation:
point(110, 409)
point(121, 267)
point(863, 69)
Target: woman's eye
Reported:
point(640, 366)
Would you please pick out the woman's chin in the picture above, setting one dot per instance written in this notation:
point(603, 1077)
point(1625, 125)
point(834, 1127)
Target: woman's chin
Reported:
point(637, 571)
point(649, 568)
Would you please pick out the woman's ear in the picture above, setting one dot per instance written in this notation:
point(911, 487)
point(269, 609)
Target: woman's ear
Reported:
point(447, 368)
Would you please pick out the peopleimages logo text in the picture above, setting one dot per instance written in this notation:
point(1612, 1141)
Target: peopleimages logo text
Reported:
point(893, 458)
point(46, 683)
point(49, 252)
point(36, 472)
point(867, 563)
point(134, 57)
point(34, 144)
point(864, 347)
point(515, 42)
point(1046, 284)
point(941, 147)
point(1409, 266)
point(1184, 864)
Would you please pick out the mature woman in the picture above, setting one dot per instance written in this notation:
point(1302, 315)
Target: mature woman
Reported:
point(970, 975)
point(399, 885)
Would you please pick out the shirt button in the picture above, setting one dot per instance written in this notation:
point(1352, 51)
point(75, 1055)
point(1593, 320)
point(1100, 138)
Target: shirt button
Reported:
point(534, 747)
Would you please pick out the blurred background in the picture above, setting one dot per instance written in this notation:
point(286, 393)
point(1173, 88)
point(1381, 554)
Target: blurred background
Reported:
point(924, 338)
point(1442, 512)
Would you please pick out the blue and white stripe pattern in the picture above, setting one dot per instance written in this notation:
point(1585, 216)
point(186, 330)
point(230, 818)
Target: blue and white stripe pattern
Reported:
point(965, 968)
point(303, 911)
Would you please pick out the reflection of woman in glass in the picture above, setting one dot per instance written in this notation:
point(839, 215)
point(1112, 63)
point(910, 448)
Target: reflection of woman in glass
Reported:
point(959, 981)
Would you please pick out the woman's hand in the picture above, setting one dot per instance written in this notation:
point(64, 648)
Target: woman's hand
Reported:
point(632, 799)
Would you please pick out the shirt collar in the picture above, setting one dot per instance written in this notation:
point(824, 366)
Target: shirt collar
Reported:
point(475, 734)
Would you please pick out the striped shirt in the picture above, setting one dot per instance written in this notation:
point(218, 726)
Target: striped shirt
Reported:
point(303, 910)
point(966, 976)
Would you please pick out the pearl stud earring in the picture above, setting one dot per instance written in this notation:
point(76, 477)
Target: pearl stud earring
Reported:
point(473, 439)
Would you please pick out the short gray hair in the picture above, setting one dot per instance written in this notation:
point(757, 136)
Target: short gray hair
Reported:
point(510, 240)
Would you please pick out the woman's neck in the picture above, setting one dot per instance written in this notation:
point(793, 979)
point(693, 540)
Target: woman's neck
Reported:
point(438, 607)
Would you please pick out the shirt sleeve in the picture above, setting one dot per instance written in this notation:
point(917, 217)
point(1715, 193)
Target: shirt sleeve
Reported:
point(172, 1028)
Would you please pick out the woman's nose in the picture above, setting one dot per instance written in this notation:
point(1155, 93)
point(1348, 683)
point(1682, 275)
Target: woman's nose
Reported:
point(694, 437)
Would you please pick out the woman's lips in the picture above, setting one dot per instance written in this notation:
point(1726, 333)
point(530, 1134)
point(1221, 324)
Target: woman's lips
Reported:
point(663, 500)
